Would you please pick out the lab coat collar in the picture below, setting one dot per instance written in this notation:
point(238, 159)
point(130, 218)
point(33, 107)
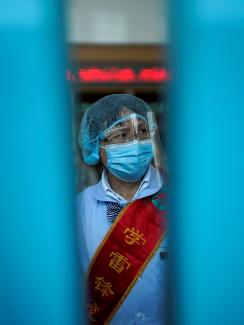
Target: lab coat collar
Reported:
point(150, 184)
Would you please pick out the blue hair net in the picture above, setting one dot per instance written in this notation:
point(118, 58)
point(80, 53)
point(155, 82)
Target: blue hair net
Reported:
point(102, 115)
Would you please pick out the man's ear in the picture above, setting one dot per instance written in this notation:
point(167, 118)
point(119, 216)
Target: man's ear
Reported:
point(103, 156)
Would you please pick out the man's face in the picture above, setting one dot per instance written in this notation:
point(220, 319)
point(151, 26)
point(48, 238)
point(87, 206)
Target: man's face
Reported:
point(124, 132)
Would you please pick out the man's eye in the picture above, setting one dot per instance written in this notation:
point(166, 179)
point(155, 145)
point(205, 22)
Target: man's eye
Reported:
point(142, 131)
point(120, 135)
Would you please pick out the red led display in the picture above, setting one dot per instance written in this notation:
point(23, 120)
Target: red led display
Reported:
point(124, 75)
point(113, 74)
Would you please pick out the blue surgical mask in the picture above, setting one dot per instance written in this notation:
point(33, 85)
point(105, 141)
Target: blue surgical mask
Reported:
point(129, 161)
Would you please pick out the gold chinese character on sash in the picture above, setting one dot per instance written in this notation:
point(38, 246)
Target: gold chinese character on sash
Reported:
point(118, 262)
point(93, 309)
point(103, 286)
point(134, 237)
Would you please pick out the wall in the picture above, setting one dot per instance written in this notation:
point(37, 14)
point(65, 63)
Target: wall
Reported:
point(116, 21)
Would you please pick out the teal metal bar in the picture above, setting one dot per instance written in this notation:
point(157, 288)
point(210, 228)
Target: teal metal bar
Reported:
point(206, 154)
point(40, 281)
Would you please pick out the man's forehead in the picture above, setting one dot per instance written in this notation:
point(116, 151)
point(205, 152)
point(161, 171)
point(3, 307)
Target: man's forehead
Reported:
point(129, 124)
point(131, 119)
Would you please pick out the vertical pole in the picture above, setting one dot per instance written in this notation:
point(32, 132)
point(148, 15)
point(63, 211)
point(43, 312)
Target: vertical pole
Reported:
point(40, 281)
point(206, 154)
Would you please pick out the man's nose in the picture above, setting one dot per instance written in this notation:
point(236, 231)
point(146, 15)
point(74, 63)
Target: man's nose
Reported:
point(133, 136)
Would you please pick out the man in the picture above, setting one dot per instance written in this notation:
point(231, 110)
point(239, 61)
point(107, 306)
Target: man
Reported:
point(122, 219)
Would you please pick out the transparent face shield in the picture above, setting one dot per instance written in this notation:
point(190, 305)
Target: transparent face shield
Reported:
point(133, 149)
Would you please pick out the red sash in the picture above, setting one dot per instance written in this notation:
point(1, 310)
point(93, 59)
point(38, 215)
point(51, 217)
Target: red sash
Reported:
point(123, 255)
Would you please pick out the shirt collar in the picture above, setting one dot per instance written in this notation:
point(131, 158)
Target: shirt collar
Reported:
point(150, 184)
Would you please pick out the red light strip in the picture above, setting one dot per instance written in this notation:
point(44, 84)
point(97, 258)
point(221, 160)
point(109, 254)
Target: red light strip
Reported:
point(119, 75)
point(154, 74)
point(113, 74)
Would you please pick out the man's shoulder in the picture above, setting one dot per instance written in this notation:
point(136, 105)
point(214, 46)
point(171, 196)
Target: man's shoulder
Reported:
point(88, 194)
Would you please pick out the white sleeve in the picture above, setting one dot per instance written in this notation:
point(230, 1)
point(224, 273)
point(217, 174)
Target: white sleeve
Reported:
point(81, 220)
